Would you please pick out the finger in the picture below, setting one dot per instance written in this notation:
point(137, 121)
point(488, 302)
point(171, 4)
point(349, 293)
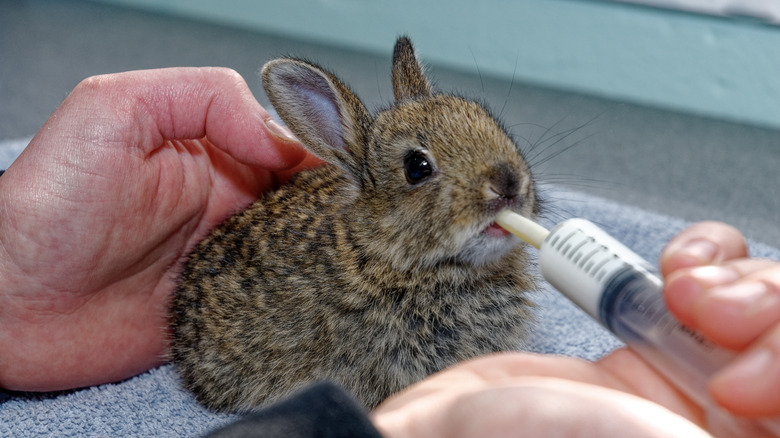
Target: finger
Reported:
point(749, 385)
point(506, 366)
point(703, 243)
point(644, 381)
point(530, 406)
point(190, 103)
point(732, 304)
point(309, 162)
point(556, 407)
point(621, 370)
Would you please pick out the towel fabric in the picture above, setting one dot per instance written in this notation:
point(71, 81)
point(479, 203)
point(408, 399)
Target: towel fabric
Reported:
point(154, 404)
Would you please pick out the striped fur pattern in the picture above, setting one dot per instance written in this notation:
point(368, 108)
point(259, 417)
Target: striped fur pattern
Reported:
point(372, 271)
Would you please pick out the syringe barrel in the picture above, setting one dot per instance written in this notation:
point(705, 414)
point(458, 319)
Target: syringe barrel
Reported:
point(623, 292)
point(633, 308)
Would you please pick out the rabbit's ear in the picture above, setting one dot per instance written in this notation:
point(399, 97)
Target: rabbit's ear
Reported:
point(320, 110)
point(409, 81)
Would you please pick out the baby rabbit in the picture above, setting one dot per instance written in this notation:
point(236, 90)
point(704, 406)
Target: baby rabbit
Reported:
point(373, 271)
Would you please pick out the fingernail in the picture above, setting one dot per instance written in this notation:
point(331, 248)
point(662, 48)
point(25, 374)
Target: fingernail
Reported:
point(686, 289)
point(280, 131)
point(748, 366)
point(702, 250)
point(712, 276)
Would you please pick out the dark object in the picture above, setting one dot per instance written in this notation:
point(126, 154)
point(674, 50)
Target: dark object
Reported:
point(323, 410)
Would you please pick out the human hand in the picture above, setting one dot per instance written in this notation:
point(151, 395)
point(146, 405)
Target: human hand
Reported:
point(713, 287)
point(95, 215)
point(520, 394)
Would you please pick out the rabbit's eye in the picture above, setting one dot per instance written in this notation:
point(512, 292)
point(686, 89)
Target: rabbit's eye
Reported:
point(417, 167)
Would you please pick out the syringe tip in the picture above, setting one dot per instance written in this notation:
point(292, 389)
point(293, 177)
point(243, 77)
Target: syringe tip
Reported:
point(522, 227)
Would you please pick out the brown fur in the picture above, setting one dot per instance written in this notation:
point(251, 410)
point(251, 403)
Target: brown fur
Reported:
point(350, 272)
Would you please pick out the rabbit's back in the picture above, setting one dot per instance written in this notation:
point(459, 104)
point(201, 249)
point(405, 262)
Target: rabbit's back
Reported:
point(244, 321)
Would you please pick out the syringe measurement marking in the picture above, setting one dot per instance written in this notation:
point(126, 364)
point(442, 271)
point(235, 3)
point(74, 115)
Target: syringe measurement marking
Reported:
point(576, 255)
point(589, 261)
point(601, 268)
point(588, 256)
point(562, 242)
point(654, 311)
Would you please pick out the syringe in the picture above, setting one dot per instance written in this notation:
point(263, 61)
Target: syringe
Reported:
point(624, 293)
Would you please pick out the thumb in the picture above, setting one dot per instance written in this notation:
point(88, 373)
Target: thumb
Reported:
point(703, 243)
point(185, 103)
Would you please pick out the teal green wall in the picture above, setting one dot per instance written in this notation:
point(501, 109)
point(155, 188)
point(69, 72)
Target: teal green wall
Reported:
point(723, 68)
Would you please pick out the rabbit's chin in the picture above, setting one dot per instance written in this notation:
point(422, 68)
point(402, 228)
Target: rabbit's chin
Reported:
point(489, 246)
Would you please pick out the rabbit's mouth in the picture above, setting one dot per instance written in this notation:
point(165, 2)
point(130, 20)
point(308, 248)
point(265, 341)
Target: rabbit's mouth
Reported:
point(488, 246)
point(495, 230)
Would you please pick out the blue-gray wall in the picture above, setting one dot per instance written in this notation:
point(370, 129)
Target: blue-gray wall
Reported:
point(724, 68)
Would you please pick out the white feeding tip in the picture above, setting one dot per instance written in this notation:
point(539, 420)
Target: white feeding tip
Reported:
point(522, 227)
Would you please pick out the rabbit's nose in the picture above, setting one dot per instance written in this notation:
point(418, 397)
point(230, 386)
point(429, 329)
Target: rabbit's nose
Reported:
point(502, 189)
point(504, 181)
